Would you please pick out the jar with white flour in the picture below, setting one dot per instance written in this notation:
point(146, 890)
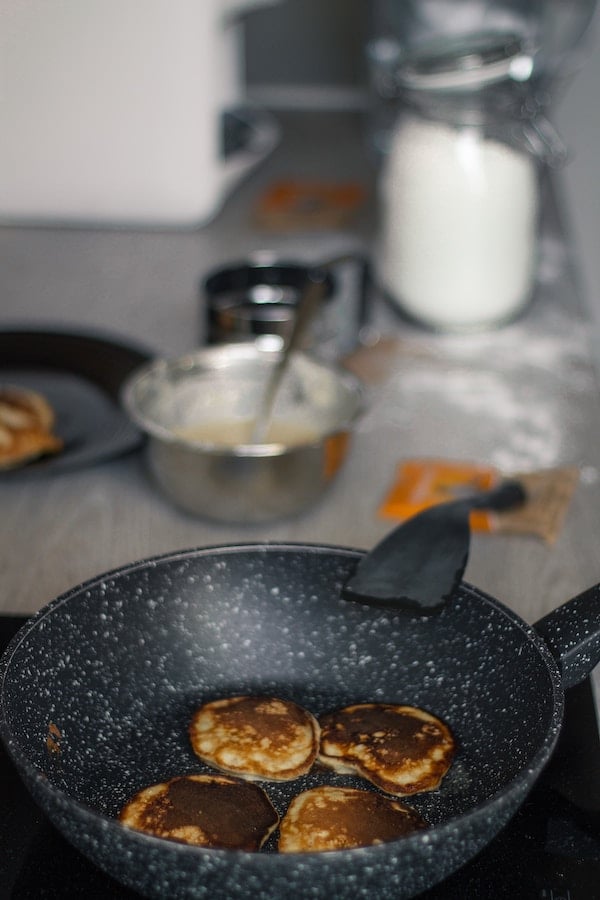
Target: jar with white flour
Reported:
point(459, 187)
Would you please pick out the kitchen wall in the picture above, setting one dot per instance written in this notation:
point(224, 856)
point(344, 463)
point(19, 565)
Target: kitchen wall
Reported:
point(308, 53)
point(577, 117)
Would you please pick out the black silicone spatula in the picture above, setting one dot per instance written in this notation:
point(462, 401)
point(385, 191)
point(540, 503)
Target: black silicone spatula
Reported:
point(420, 564)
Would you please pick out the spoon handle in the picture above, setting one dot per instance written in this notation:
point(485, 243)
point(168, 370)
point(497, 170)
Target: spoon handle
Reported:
point(307, 307)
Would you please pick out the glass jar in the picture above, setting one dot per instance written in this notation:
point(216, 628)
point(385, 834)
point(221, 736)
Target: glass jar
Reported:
point(459, 189)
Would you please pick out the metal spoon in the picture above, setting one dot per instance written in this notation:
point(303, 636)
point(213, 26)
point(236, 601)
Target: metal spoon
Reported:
point(421, 563)
point(308, 305)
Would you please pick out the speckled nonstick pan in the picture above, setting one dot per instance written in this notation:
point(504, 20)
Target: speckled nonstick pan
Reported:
point(98, 688)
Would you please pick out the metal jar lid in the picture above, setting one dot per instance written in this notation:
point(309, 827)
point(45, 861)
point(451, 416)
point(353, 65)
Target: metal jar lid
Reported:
point(466, 63)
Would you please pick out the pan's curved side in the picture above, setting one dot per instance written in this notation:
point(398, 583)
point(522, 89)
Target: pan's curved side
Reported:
point(158, 869)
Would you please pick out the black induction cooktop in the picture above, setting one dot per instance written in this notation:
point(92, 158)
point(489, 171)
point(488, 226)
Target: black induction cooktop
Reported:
point(550, 850)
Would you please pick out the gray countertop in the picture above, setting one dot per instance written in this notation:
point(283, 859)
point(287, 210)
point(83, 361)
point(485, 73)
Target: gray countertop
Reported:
point(523, 397)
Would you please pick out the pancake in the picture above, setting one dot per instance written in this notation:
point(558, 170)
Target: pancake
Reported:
point(26, 423)
point(400, 749)
point(339, 818)
point(204, 810)
point(256, 737)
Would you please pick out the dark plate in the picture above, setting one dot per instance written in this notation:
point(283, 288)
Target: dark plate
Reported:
point(81, 377)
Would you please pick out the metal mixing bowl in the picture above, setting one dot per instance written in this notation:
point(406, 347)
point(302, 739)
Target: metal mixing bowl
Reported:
point(191, 409)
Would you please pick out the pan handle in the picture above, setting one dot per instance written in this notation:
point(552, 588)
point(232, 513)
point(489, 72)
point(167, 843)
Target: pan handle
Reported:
point(572, 633)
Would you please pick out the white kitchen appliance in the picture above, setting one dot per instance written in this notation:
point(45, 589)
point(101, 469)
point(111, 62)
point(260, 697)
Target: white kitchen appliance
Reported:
point(124, 112)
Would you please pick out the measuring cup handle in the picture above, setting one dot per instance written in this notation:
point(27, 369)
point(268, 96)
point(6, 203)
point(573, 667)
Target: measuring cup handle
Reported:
point(364, 277)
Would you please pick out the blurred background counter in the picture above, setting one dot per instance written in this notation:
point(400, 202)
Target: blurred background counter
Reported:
point(522, 397)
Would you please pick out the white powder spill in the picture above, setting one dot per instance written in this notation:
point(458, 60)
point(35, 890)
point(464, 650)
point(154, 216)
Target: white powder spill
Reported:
point(497, 398)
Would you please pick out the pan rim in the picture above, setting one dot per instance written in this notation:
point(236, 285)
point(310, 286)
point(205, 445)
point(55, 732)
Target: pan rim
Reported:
point(517, 786)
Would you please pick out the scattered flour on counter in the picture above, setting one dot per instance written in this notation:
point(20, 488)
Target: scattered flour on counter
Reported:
point(499, 398)
point(519, 432)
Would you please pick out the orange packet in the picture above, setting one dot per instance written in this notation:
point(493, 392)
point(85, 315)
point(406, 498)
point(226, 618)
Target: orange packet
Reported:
point(293, 204)
point(419, 484)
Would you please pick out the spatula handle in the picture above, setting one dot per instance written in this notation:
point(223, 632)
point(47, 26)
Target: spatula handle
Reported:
point(508, 495)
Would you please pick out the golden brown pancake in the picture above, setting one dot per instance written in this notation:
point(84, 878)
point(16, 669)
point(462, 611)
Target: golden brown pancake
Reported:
point(400, 749)
point(256, 737)
point(26, 423)
point(339, 818)
point(205, 810)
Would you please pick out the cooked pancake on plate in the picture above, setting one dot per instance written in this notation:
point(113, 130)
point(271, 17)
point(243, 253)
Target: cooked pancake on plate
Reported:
point(261, 738)
point(339, 818)
point(26, 423)
point(204, 810)
point(400, 749)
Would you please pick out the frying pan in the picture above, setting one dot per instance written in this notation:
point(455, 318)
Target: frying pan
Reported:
point(97, 690)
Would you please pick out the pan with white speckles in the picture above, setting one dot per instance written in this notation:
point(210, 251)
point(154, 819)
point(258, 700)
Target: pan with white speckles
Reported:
point(97, 690)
